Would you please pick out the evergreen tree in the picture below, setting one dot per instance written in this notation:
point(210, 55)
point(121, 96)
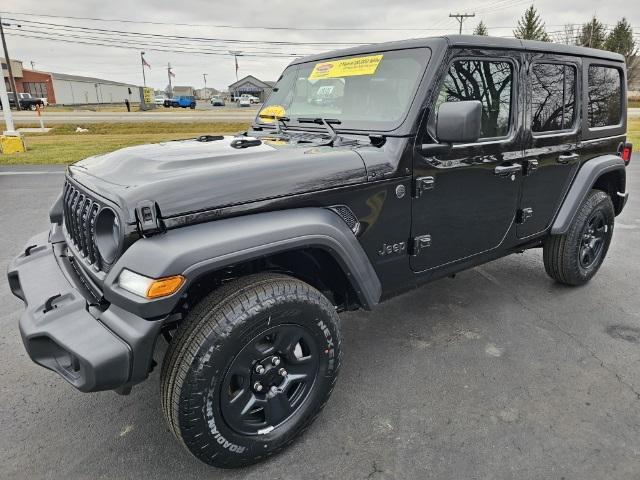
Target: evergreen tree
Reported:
point(531, 27)
point(481, 29)
point(592, 34)
point(620, 40)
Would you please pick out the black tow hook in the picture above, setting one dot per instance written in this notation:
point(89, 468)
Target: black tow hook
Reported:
point(48, 305)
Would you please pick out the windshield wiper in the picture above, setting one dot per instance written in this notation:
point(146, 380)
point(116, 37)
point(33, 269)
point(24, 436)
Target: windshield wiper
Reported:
point(277, 120)
point(325, 122)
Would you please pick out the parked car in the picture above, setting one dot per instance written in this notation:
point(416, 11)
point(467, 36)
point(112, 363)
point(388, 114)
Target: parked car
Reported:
point(244, 102)
point(28, 96)
point(183, 101)
point(446, 153)
point(251, 98)
point(27, 102)
point(217, 101)
point(159, 100)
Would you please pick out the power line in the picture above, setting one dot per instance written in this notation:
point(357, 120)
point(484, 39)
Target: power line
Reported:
point(146, 43)
point(212, 39)
point(137, 47)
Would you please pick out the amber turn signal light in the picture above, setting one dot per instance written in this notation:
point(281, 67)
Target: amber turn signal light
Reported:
point(164, 286)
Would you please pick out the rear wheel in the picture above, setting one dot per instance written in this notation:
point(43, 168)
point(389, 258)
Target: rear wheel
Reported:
point(250, 368)
point(575, 257)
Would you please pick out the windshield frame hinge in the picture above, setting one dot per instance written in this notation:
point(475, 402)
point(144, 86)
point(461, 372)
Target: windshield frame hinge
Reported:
point(421, 184)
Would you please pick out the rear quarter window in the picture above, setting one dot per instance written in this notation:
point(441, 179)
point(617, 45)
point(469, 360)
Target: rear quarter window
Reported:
point(553, 97)
point(604, 90)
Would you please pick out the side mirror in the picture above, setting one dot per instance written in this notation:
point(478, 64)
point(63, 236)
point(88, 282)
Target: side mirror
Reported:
point(459, 122)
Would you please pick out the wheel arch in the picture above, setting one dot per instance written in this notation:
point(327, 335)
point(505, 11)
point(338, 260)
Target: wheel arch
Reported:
point(312, 244)
point(606, 173)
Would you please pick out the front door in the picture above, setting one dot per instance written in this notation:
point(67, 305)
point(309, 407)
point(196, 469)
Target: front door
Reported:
point(465, 201)
point(551, 155)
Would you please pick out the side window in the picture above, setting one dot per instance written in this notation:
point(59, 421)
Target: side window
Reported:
point(488, 81)
point(553, 97)
point(605, 96)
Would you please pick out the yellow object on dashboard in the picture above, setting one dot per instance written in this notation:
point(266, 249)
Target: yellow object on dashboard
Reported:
point(267, 114)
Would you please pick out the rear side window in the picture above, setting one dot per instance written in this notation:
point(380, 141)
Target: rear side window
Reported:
point(553, 97)
point(488, 81)
point(605, 96)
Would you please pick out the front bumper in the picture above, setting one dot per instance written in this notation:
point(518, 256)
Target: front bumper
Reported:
point(63, 329)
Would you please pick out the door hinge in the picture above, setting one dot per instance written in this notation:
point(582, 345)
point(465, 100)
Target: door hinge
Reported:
point(524, 214)
point(530, 166)
point(421, 184)
point(419, 243)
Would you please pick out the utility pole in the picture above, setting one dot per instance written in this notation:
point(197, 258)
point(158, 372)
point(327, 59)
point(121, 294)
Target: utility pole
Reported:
point(204, 75)
point(12, 81)
point(142, 62)
point(169, 76)
point(460, 17)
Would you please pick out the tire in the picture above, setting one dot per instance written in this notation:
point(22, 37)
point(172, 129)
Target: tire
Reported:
point(574, 257)
point(227, 345)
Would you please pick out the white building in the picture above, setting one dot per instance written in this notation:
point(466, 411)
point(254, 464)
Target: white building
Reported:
point(76, 90)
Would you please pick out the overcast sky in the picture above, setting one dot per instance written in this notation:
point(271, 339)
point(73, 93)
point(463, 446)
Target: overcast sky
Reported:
point(124, 65)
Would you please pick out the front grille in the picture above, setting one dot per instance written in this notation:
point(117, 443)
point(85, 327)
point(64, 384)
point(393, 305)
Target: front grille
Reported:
point(80, 212)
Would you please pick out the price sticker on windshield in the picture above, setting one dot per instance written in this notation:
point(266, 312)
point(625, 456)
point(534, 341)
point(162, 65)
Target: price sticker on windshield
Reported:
point(349, 67)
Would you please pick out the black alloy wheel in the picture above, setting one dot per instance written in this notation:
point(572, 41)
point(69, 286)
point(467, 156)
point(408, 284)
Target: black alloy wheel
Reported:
point(269, 379)
point(593, 239)
point(574, 257)
point(250, 368)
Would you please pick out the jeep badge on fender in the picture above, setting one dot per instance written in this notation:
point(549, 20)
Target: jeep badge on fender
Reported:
point(367, 172)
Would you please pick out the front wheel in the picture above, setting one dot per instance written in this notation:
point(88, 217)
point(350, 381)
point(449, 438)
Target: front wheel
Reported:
point(574, 257)
point(250, 368)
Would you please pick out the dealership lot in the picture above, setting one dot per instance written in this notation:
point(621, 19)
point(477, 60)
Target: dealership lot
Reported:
point(498, 373)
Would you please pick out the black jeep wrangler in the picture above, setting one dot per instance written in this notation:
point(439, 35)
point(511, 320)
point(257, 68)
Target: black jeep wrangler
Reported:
point(428, 157)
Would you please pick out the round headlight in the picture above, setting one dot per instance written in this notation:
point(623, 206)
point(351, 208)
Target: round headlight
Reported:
point(107, 231)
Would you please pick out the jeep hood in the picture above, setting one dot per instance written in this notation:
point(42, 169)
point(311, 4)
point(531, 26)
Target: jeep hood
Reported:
point(191, 175)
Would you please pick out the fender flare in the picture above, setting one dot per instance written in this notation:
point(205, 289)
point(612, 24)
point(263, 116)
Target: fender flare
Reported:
point(584, 180)
point(198, 249)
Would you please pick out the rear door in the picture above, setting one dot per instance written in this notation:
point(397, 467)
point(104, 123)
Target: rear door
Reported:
point(551, 155)
point(465, 201)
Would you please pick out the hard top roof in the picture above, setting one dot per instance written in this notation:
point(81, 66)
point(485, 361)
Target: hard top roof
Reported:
point(468, 41)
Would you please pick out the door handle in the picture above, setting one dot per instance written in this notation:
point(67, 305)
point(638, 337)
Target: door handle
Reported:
point(567, 157)
point(506, 170)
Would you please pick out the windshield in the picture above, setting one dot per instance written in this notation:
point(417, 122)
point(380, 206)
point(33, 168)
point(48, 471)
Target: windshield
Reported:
point(371, 91)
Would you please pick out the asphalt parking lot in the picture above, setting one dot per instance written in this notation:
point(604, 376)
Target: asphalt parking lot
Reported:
point(497, 374)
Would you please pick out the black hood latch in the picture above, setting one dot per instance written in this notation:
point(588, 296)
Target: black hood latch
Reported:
point(149, 218)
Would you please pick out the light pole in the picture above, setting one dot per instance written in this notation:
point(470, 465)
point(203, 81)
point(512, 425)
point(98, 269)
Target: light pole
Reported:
point(204, 75)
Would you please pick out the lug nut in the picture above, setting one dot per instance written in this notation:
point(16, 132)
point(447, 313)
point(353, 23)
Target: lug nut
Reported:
point(259, 369)
point(275, 361)
point(257, 387)
point(282, 372)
